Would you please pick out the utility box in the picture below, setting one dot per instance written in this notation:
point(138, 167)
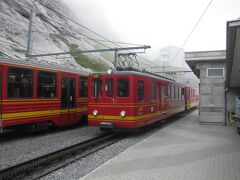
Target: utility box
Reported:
point(237, 105)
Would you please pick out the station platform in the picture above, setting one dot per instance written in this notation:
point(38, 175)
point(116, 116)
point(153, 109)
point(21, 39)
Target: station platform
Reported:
point(183, 149)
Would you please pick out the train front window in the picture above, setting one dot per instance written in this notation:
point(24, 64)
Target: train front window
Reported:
point(83, 87)
point(20, 83)
point(46, 84)
point(109, 87)
point(123, 87)
point(97, 88)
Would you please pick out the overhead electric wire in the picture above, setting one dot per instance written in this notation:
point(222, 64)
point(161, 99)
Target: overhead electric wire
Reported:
point(13, 43)
point(74, 22)
point(107, 40)
point(101, 40)
point(87, 28)
point(189, 35)
point(57, 22)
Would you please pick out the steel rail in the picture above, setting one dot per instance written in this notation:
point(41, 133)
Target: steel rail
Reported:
point(41, 166)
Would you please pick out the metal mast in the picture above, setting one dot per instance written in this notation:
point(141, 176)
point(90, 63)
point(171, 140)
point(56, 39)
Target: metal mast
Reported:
point(30, 30)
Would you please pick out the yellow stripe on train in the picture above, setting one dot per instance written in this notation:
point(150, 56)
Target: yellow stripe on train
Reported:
point(28, 114)
point(134, 118)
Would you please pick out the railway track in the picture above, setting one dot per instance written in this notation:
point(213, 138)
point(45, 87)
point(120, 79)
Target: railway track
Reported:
point(41, 166)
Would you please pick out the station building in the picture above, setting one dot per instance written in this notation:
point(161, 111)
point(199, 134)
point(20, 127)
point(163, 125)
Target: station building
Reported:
point(219, 74)
point(209, 67)
point(233, 69)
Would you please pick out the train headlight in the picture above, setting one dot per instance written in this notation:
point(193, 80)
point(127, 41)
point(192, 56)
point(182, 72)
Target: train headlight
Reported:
point(95, 112)
point(123, 113)
point(109, 71)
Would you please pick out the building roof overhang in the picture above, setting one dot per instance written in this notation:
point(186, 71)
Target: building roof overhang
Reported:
point(194, 58)
point(233, 54)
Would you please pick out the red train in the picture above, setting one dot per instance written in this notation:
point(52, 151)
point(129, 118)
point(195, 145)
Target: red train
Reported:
point(37, 94)
point(130, 100)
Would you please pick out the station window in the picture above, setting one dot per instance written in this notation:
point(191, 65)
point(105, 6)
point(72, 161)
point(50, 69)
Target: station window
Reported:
point(123, 87)
point(97, 88)
point(83, 84)
point(140, 96)
point(20, 83)
point(46, 84)
point(215, 72)
point(109, 87)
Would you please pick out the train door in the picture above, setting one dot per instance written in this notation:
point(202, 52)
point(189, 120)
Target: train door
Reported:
point(68, 99)
point(164, 96)
point(187, 98)
point(157, 96)
point(110, 95)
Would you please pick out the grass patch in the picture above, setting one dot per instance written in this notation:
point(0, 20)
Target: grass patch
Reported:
point(85, 61)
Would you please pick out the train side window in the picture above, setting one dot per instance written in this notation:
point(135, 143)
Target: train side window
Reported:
point(167, 92)
point(20, 83)
point(182, 93)
point(163, 90)
point(109, 87)
point(152, 91)
point(97, 88)
point(179, 92)
point(172, 92)
point(46, 84)
point(83, 84)
point(122, 87)
point(140, 96)
point(176, 92)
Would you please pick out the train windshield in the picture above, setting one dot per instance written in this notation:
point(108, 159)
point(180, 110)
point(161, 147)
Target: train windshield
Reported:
point(97, 88)
point(109, 87)
point(123, 87)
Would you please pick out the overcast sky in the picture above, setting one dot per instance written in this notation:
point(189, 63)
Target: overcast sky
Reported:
point(162, 23)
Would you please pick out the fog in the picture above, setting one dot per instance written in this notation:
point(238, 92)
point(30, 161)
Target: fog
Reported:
point(90, 14)
point(160, 23)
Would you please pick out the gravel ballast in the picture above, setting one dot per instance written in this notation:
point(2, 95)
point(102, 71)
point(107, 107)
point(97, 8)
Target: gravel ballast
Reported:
point(85, 165)
point(29, 146)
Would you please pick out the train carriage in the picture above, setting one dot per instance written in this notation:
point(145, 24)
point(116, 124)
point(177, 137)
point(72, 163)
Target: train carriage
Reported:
point(36, 95)
point(130, 100)
point(191, 97)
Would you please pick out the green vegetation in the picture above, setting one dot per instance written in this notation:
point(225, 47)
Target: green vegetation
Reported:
point(107, 55)
point(85, 61)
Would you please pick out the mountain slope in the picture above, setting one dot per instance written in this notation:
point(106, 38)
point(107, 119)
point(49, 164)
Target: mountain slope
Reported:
point(52, 34)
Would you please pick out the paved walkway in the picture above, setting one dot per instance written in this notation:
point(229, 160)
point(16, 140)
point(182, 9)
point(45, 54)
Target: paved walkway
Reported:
point(182, 150)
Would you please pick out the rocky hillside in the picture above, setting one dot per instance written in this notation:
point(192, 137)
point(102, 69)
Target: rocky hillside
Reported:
point(52, 34)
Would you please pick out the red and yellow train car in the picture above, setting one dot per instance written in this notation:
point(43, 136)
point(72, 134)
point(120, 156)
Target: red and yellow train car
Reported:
point(191, 97)
point(130, 100)
point(39, 94)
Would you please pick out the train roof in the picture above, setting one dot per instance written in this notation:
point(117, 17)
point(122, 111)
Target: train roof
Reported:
point(42, 64)
point(140, 73)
